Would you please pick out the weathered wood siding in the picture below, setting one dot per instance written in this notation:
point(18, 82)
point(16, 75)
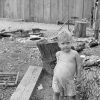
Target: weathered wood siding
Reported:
point(48, 11)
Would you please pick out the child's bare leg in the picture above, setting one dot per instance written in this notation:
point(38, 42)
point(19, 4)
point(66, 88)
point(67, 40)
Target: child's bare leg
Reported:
point(56, 96)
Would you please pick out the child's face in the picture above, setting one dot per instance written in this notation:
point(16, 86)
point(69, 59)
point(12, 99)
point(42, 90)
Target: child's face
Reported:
point(65, 46)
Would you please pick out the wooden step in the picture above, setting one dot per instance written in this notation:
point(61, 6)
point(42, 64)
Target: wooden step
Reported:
point(27, 84)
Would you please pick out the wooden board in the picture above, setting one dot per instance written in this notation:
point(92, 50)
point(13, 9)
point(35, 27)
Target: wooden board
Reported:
point(1, 7)
point(36, 10)
point(27, 84)
point(79, 8)
point(65, 10)
point(60, 10)
point(8, 78)
point(87, 8)
point(15, 9)
point(26, 9)
point(40, 10)
point(32, 9)
point(54, 11)
point(72, 8)
point(22, 8)
point(46, 11)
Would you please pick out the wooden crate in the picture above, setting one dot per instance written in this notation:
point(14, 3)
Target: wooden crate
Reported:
point(8, 78)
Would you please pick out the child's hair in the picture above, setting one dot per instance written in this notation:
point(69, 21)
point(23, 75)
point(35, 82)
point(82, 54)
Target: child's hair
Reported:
point(65, 37)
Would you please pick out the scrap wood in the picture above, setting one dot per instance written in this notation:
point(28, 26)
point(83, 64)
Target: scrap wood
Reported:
point(14, 31)
point(90, 61)
point(93, 43)
point(8, 79)
point(90, 41)
point(78, 46)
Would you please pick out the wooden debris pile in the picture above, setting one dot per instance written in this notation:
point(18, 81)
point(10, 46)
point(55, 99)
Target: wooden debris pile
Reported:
point(78, 46)
point(90, 61)
point(93, 43)
point(88, 86)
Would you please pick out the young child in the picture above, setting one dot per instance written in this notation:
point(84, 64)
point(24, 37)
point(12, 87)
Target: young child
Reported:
point(68, 65)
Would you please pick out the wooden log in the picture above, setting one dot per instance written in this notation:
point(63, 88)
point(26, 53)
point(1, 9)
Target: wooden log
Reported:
point(48, 50)
point(80, 29)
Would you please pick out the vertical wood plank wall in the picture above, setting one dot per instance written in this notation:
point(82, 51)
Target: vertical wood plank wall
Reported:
point(48, 11)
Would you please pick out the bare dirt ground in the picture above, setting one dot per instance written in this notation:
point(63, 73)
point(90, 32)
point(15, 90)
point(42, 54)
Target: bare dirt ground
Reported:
point(16, 56)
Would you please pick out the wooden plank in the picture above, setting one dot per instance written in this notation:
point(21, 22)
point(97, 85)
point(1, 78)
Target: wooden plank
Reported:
point(27, 84)
point(60, 12)
point(18, 9)
point(36, 10)
point(72, 8)
point(5, 8)
point(65, 10)
point(22, 9)
point(97, 21)
point(87, 8)
point(15, 10)
point(54, 11)
point(26, 9)
point(11, 8)
point(1, 8)
point(32, 8)
point(40, 10)
point(30, 87)
point(75, 1)
point(46, 11)
point(79, 8)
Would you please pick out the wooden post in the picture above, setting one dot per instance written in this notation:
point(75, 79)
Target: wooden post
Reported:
point(97, 15)
point(80, 29)
point(92, 13)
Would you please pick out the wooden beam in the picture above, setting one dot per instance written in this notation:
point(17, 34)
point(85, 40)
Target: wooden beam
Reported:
point(27, 84)
point(60, 12)
point(46, 10)
point(54, 11)
point(97, 21)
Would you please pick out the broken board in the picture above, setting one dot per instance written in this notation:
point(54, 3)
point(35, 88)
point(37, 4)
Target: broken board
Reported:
point(27, 84)
point(8, 79)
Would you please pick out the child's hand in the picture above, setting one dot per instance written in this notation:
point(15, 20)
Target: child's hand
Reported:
point(75, 77)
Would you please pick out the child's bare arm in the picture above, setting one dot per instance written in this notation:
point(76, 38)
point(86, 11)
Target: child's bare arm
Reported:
point(78, 65)
point(57, 55)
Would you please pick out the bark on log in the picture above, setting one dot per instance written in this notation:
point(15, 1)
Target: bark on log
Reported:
point(48, 50)
point(80, 29)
